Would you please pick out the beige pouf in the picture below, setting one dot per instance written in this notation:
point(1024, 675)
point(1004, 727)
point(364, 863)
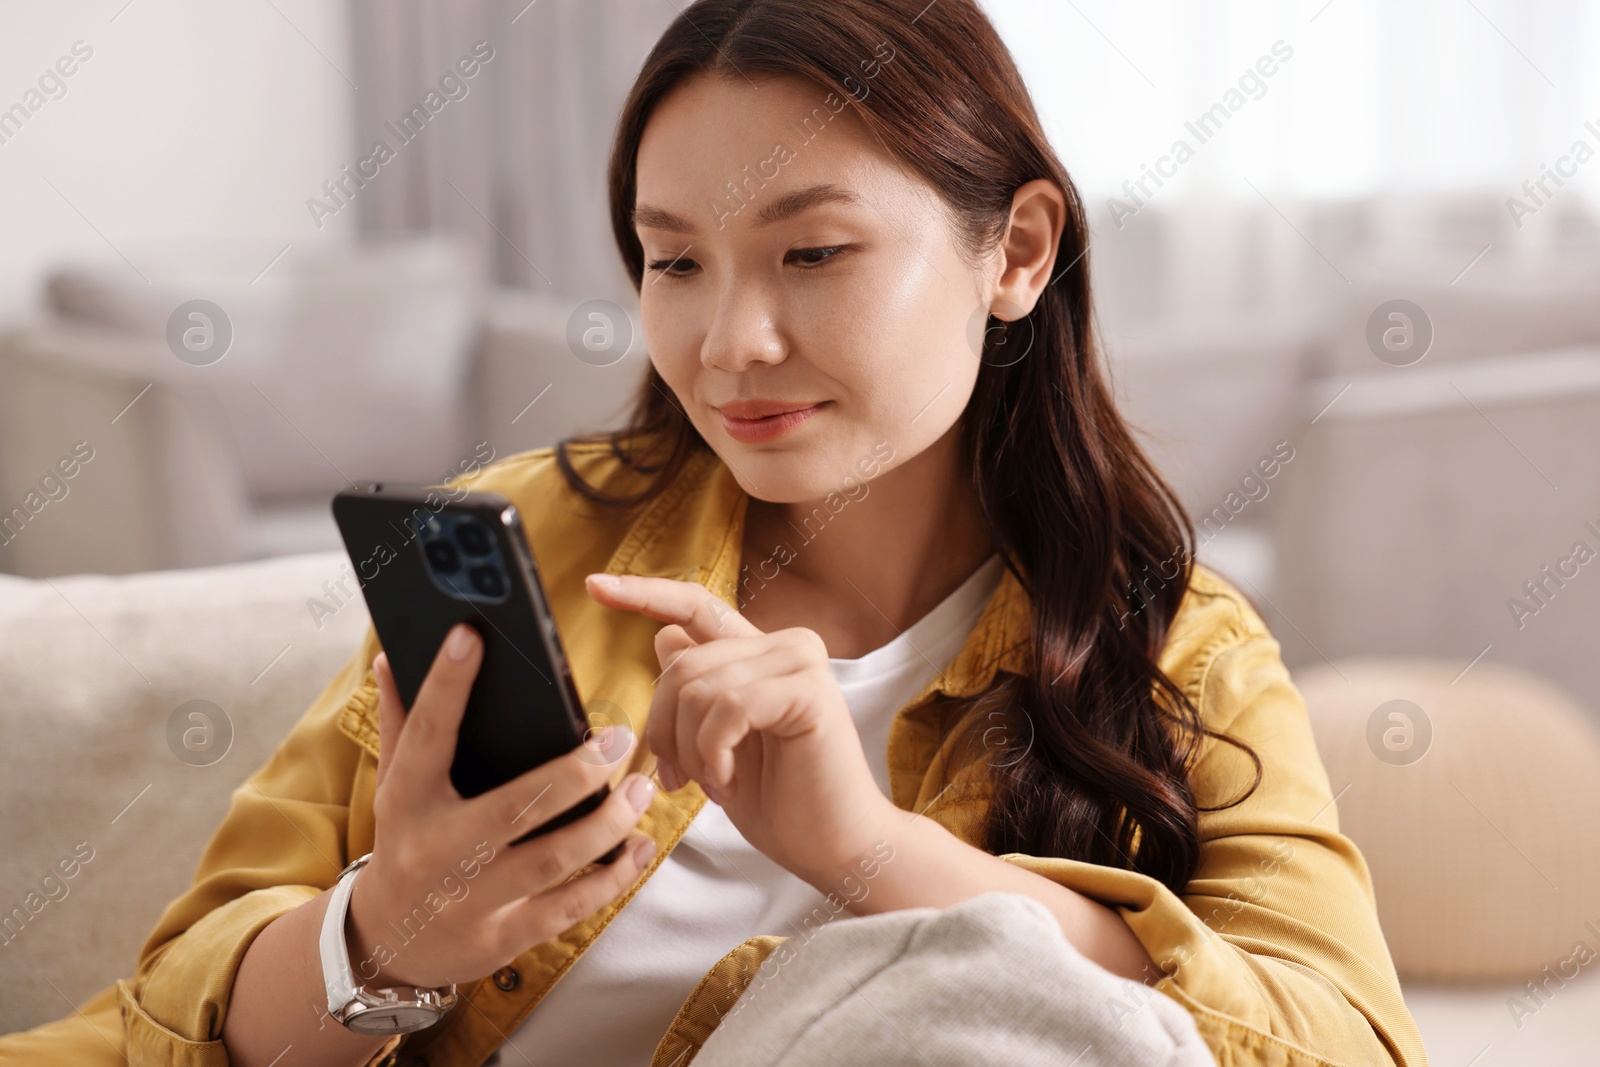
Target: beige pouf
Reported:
point(1477, 806)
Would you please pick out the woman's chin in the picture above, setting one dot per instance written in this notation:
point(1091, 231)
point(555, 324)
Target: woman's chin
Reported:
point(780, 474)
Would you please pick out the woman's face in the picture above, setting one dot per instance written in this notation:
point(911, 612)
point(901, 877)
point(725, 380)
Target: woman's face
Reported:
point(792, 263)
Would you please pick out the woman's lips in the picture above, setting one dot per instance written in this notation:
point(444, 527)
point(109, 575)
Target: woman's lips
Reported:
point(752, 431)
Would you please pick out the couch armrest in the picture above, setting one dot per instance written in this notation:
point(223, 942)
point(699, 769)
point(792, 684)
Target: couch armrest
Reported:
point(162, 487)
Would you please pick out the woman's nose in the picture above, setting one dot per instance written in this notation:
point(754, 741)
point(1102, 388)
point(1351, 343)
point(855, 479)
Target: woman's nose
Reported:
point(743, 330)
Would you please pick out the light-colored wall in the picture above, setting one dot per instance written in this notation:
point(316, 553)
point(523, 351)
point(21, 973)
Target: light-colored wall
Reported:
point(189, 120)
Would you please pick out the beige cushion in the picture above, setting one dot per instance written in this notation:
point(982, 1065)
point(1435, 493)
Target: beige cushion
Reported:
point(392, 322)
point(1481, 840)
point(91, 671)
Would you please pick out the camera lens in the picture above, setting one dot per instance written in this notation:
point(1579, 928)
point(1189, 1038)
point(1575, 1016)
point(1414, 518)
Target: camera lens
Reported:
point(442, 556)
point(474, 538)
point(487, 580)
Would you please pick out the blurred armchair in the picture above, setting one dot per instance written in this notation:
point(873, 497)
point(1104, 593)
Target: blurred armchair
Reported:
point(1426, 497)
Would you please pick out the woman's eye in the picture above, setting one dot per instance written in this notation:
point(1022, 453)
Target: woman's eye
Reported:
point(815, 257)
point(806, 258)
point(672, 268)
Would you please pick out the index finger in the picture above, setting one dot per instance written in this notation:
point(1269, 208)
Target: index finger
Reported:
point(702, 614)
point(426, 746)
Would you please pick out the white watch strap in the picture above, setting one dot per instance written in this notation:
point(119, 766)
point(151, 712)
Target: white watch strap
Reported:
point(337, 978)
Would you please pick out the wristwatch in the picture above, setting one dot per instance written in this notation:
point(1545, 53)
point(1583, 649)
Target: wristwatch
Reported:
point(370, 1011)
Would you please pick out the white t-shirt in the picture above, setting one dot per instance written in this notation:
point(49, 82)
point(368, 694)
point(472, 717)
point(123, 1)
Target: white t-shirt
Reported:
point(714, 890)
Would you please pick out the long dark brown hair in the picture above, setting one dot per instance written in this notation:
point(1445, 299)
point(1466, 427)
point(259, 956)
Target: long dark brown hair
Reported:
point(1097, 538)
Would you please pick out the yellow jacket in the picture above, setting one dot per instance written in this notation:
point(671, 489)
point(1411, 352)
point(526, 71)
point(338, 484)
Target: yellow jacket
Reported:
point(1276, 943)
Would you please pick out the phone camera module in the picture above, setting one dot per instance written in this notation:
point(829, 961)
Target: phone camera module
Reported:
point(443, 557)
point(488, 580)
point(474, 539)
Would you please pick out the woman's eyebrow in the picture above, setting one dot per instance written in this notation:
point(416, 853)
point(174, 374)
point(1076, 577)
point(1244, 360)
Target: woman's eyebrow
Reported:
point(786, 206)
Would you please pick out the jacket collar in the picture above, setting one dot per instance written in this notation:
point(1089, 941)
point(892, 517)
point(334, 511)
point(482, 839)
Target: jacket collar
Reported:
point(694, 531)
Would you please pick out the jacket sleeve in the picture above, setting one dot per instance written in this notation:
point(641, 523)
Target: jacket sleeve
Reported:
point(286, 837)
point(1274, 944)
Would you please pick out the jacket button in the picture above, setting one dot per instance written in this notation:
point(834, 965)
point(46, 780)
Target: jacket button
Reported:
point(507, 978)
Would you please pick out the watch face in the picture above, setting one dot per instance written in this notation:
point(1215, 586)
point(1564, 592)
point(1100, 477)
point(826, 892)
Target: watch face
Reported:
point(392, 1019)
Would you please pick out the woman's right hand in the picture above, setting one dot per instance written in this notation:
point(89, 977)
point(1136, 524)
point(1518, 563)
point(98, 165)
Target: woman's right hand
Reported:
point(427, 837)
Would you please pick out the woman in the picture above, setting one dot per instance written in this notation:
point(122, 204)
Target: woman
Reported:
point(896, 608)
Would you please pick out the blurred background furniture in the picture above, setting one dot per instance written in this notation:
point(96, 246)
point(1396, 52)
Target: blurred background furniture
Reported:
point(1472, 796)
point(391, 361)
point(1425, 497)
point(101, 676)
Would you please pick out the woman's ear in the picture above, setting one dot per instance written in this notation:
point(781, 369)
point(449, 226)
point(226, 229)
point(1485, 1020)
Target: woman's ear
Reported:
point(1028, 250)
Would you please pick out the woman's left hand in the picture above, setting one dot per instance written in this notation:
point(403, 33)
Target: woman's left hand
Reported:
point(758, 720)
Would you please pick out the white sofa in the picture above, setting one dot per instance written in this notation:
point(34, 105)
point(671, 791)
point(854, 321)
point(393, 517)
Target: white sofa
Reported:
point(96, 674)
point(383, 362)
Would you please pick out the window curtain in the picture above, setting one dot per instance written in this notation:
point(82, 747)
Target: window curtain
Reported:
point(1327, 135)
point(514, 156)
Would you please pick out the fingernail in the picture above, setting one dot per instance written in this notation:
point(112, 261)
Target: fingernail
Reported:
point(460, 644)
point(669, 777)
point(606, 581)
point(639, 792)
point(642, 854)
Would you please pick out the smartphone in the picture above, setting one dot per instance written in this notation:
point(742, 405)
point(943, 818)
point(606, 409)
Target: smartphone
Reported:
point(427, 560)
